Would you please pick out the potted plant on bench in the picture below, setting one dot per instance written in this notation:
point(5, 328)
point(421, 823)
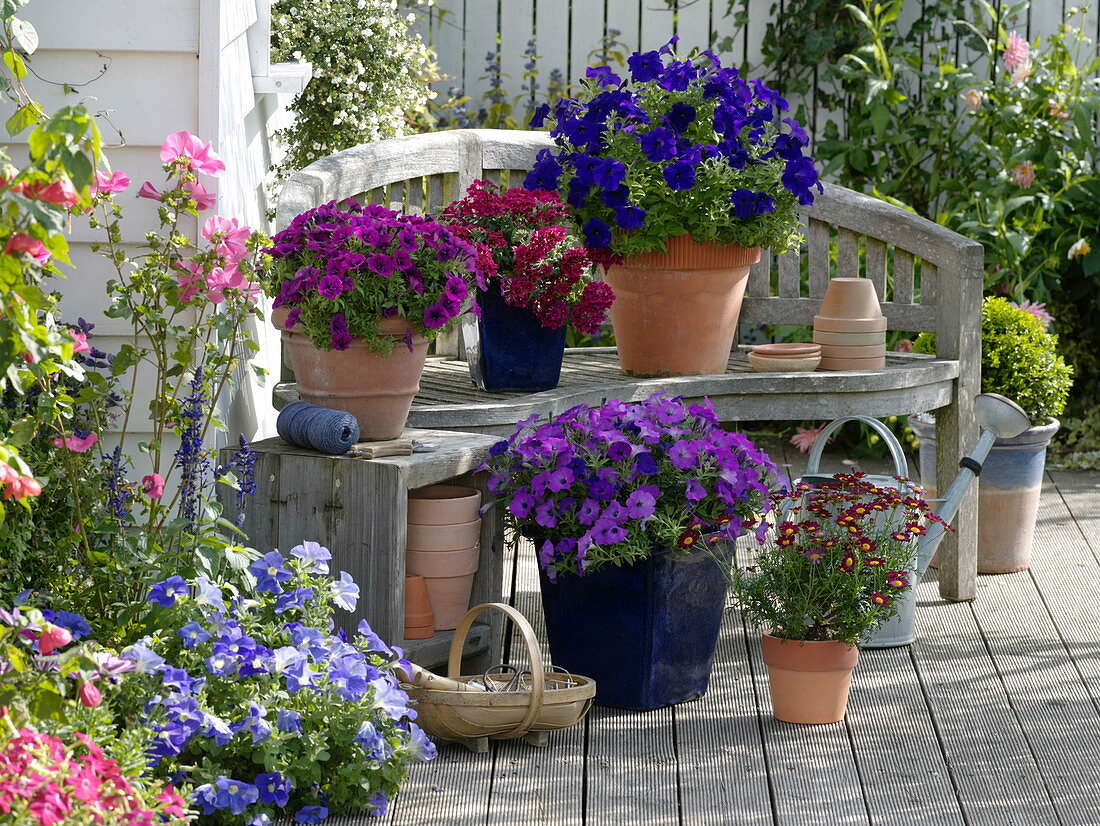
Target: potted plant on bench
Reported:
point(683, 171)
point(359, 293)
point(534, 280)
point(619, 500)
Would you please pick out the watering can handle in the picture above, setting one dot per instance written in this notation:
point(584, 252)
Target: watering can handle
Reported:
point(896, 453)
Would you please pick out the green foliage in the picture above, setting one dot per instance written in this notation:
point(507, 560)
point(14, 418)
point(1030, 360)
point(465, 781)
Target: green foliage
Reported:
point(369, 73)
point(1020, 360)
point(839, 561)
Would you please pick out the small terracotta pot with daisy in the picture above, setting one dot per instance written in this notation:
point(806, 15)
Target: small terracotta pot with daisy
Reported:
point(834, 568)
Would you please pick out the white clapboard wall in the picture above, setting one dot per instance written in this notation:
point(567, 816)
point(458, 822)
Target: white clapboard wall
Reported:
point(567, 32)
point(171, 65)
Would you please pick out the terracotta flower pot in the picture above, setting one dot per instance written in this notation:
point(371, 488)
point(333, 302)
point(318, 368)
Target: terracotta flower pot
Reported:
point(449, 577)
point(850, 298)
point(419, 620)
point(675, 313)
point(453, 537)
point(377, 390)
point(809, 681)
point(443, 505)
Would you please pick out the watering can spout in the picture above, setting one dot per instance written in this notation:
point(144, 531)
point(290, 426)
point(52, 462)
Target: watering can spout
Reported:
point(998, 418)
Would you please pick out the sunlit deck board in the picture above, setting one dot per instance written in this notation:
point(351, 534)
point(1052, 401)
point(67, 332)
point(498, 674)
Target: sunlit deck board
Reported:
point(988, 719)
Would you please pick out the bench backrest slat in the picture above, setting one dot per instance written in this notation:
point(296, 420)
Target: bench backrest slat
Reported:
point(912, 262)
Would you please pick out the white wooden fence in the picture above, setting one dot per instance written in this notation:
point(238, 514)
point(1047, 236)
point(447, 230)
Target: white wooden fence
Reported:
point(567, 32)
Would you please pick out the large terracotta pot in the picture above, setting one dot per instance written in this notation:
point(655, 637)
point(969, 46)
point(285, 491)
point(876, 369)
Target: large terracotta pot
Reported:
point(1008, 492)
point(809, 681)
point(675, 313)
point(377, 390)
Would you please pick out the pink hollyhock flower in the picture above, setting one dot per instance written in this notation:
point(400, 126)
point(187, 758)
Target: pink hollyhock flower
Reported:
point(1024, 175)
point(21, 487)
point(203, 199)
point(905, 345)
point(222, 279)
point(1016, 52)
point(81, 339)
point(973, 99)
point(60, 192)
point(53, 637)
point(804, 437)
point(89, 695)
point(190, 279)
point(149, 191)
point(78, 442)
point(115, 182)
point(21, 242)
point(184, 149)
point(1035, 309)
point(153, 485)
point(228, 237)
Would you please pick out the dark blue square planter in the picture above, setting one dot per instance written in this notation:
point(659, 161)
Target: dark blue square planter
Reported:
point(509, 349)
point(645, 633)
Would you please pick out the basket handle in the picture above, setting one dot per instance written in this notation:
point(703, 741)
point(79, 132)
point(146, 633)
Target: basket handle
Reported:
point(896, 453)
point(534, 654)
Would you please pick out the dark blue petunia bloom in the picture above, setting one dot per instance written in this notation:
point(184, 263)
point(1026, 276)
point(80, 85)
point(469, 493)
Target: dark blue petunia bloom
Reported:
point(645, 66)
point(604, 75)
point(800, 176)
point(311, 814)
point(539, 116)
point(616, 198)
point(630, 217)
point(610, 174)
point(596, 233)
point(680, 175)
point(545, 173)
point(274, 788)
point(681, 116)
point(678, 76)
point(77, 625)
point(577, 193)
point(658, 144)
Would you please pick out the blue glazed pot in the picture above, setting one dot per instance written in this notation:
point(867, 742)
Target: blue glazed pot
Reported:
point(513, 351)
point(1008, 492)
point(646, 632)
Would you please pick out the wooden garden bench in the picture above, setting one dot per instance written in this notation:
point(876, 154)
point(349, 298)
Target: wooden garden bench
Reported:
point(929, 278)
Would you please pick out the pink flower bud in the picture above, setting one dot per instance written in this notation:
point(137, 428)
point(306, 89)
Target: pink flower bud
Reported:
point(53, 637)
point(89, 695)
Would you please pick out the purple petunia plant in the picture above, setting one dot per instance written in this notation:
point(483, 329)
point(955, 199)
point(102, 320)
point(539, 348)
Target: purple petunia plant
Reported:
point(260, 708)
point(341, 270)
point(612, 484)
point(677, 147)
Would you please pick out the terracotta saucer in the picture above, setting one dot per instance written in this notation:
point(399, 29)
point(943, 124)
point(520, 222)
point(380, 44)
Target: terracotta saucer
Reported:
point(803, 364)
point(787, 350)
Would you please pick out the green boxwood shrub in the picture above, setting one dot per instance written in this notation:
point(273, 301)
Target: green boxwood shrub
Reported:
point(1020, 360)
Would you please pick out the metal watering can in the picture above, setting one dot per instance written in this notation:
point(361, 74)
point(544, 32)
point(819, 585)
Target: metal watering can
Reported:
point(998, 418)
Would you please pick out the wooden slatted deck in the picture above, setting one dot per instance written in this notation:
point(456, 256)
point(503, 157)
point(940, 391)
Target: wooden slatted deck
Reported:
point(991, 718)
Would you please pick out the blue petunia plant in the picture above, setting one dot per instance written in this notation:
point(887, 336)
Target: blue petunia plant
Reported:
point(612, 484)
point(260, 708)
point(677, 147)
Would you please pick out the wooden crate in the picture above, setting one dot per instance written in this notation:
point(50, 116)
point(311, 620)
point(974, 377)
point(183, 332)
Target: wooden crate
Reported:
point(357, 508)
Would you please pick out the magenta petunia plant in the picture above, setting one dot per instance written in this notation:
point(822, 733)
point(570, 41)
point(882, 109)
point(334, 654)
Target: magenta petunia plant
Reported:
point(342, 269)
point(613, 484)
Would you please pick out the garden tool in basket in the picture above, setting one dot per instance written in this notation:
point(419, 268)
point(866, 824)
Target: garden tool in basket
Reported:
point(497, 706)
point(998, 418)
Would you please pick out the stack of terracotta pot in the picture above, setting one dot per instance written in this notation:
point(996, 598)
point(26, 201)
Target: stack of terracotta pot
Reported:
point(443, 547)
point(850, 326)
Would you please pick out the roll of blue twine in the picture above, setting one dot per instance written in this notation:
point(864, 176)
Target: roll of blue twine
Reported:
point(317, 428)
